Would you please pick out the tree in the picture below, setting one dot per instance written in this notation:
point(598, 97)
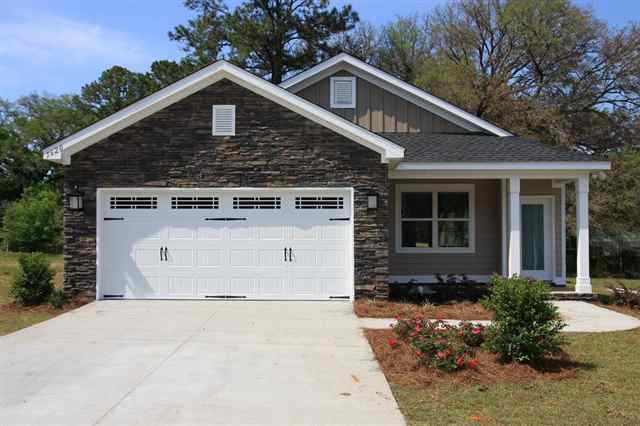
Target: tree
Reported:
point(269, 37)
point(404, 46)
point(164, 73)
point(362, 42)
point(34, 222)
point(115, 89)
point(19, 167)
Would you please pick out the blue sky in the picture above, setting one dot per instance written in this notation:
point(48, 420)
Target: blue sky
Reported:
point(56, 46)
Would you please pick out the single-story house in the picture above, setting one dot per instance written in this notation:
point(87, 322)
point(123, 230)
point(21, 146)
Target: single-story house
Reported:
point(338, 182)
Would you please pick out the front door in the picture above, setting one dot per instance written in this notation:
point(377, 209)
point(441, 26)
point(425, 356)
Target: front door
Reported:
point(536, 238)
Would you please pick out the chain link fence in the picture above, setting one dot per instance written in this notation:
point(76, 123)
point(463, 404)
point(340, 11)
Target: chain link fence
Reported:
point(616, 255)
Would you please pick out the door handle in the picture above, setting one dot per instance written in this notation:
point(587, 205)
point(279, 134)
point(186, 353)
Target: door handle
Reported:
point(285, 254)
point(166, 258)
point(290, 259)
point(160, 254)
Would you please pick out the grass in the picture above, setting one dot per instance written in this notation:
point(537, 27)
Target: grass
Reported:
point(605, 393)
point(13, 318)
point(600, 284)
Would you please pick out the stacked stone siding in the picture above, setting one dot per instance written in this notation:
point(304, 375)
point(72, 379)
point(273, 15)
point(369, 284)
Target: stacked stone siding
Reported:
point(273, 147)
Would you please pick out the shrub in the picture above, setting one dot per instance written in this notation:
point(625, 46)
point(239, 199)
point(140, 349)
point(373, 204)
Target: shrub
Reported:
point(439, 345)
point(622, 295)
point(526, 326)
point(58, 299)
point(34, 222)
point(32, 283)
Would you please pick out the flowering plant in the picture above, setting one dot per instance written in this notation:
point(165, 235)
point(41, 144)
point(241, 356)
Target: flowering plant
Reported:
point(441, 345)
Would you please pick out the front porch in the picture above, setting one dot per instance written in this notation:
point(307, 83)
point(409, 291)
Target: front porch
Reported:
point(482, 222)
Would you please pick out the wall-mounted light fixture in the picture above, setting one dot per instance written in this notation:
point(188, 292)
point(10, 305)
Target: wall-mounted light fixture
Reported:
point(74, 199)
point(372, 201)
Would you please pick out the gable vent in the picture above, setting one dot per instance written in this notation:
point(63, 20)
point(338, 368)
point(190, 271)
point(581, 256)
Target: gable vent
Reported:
point(256, 202)
point(224, 120)
point(319, 202)
point(343, 92)
point(194, 203)
point(133, 203)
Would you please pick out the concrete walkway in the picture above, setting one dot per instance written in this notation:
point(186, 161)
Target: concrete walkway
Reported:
point(580, 317)
point(181, 362)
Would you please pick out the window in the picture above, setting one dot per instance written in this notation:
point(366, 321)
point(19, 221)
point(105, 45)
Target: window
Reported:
point(319, 202)
point(224, 120)
point(343, 92)
point(133, 203)
point(435, 218)
point(191, 203)
point(256, 202)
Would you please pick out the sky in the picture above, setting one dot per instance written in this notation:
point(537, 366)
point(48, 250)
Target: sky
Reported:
point(57, 46)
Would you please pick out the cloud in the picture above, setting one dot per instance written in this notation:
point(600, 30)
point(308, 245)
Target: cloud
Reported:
point(50, 39)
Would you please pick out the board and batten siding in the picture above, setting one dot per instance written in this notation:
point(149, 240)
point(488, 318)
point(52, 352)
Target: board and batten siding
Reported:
point(379, 110)
point(487, 257)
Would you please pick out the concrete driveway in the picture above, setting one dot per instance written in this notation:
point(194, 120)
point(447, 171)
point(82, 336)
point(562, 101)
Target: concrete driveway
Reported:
point(195, 362)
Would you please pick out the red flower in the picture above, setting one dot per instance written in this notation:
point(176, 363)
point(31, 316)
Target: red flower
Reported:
point(419, 353)
point(460, 361)
point(440, 355)
point(393, 343)
point(473, 363)
point(476, 330)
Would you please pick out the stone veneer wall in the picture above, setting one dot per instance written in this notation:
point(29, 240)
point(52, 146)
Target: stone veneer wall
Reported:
point(273, 147)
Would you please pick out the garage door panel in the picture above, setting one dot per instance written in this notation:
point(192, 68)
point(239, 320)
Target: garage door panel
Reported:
point(210, 258)
point(304, 284)
point(304, 258)
point(146, 256)
point(241, 233)
point(271, 233)
point(180, 286)
point(332, 258)
point(180, 258)
point(181, 233)
point(304, 233)
point(211, 286)
point(209, 233)
point(333, 232)
point(271, 257)
point(240, 286)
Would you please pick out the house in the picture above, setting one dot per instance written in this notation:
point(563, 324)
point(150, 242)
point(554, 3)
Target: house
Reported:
point(336, 183)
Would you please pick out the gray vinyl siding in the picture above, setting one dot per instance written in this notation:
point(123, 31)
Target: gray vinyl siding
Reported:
point(379, 110)
point(487, 256)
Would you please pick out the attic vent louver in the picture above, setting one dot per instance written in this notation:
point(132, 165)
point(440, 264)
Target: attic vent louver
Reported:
point(224, 120)
point(343, 92)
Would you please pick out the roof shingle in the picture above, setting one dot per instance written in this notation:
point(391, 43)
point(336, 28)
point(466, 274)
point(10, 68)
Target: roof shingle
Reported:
point(434, 147)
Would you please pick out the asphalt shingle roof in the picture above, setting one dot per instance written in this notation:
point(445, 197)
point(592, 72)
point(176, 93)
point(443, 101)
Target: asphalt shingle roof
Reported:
point(436, 147)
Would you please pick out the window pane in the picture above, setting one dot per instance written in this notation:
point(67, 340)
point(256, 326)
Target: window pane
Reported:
point(417, 205)
point(417, 234)
point(453, 234)
point(453, 205)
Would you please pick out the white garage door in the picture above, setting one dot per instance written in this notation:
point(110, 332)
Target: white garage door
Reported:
point(225, 243)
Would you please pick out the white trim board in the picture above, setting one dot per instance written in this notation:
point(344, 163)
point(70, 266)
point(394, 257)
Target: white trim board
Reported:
point(510, 166)
point(394, 85)
point(62, 151)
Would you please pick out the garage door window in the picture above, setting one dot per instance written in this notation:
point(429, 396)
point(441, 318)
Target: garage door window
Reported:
point(133, 203)
point(191, 203)
point(257, 202)
point(320, 203)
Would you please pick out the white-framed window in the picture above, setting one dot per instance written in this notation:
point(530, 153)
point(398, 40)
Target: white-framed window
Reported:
point(435, 218)
point(343, 92)
point(224, 120)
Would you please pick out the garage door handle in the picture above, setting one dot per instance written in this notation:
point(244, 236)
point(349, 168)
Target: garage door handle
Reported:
point(160, 254)
point(290, 259)
point(285, 254)
point(166, 258)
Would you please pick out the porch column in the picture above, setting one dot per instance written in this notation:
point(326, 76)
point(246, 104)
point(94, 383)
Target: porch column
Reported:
point(515, 247)
point(583, 279)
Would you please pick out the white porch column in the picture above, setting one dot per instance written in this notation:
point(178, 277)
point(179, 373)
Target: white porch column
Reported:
point(583, 279)
point(515, 247)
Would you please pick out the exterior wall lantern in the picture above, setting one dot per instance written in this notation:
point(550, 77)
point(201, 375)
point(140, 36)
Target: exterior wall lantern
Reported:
point(74, 199)
point(372, 201)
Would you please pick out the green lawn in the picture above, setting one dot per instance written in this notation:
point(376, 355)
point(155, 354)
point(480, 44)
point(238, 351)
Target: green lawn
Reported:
point(600, 284)
point(12, 319)
point(605, 391)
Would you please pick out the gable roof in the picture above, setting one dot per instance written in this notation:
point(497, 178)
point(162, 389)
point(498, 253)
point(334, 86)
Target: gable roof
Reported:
point(394, 85)
point(62, 151)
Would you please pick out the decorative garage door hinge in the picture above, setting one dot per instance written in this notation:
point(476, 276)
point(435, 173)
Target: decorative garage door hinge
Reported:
point(338, 297)
point(224, 296)
point(114, 218)
point(225, 219)
point(112, 296)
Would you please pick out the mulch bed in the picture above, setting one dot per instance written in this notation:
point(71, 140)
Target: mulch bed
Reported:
point(44, 308)
point(400, 366)
point(465, 310)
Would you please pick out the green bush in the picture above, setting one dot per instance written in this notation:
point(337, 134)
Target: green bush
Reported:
point(58, 299)
point(32, 284)
point(34, 222)
point(526, 326)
